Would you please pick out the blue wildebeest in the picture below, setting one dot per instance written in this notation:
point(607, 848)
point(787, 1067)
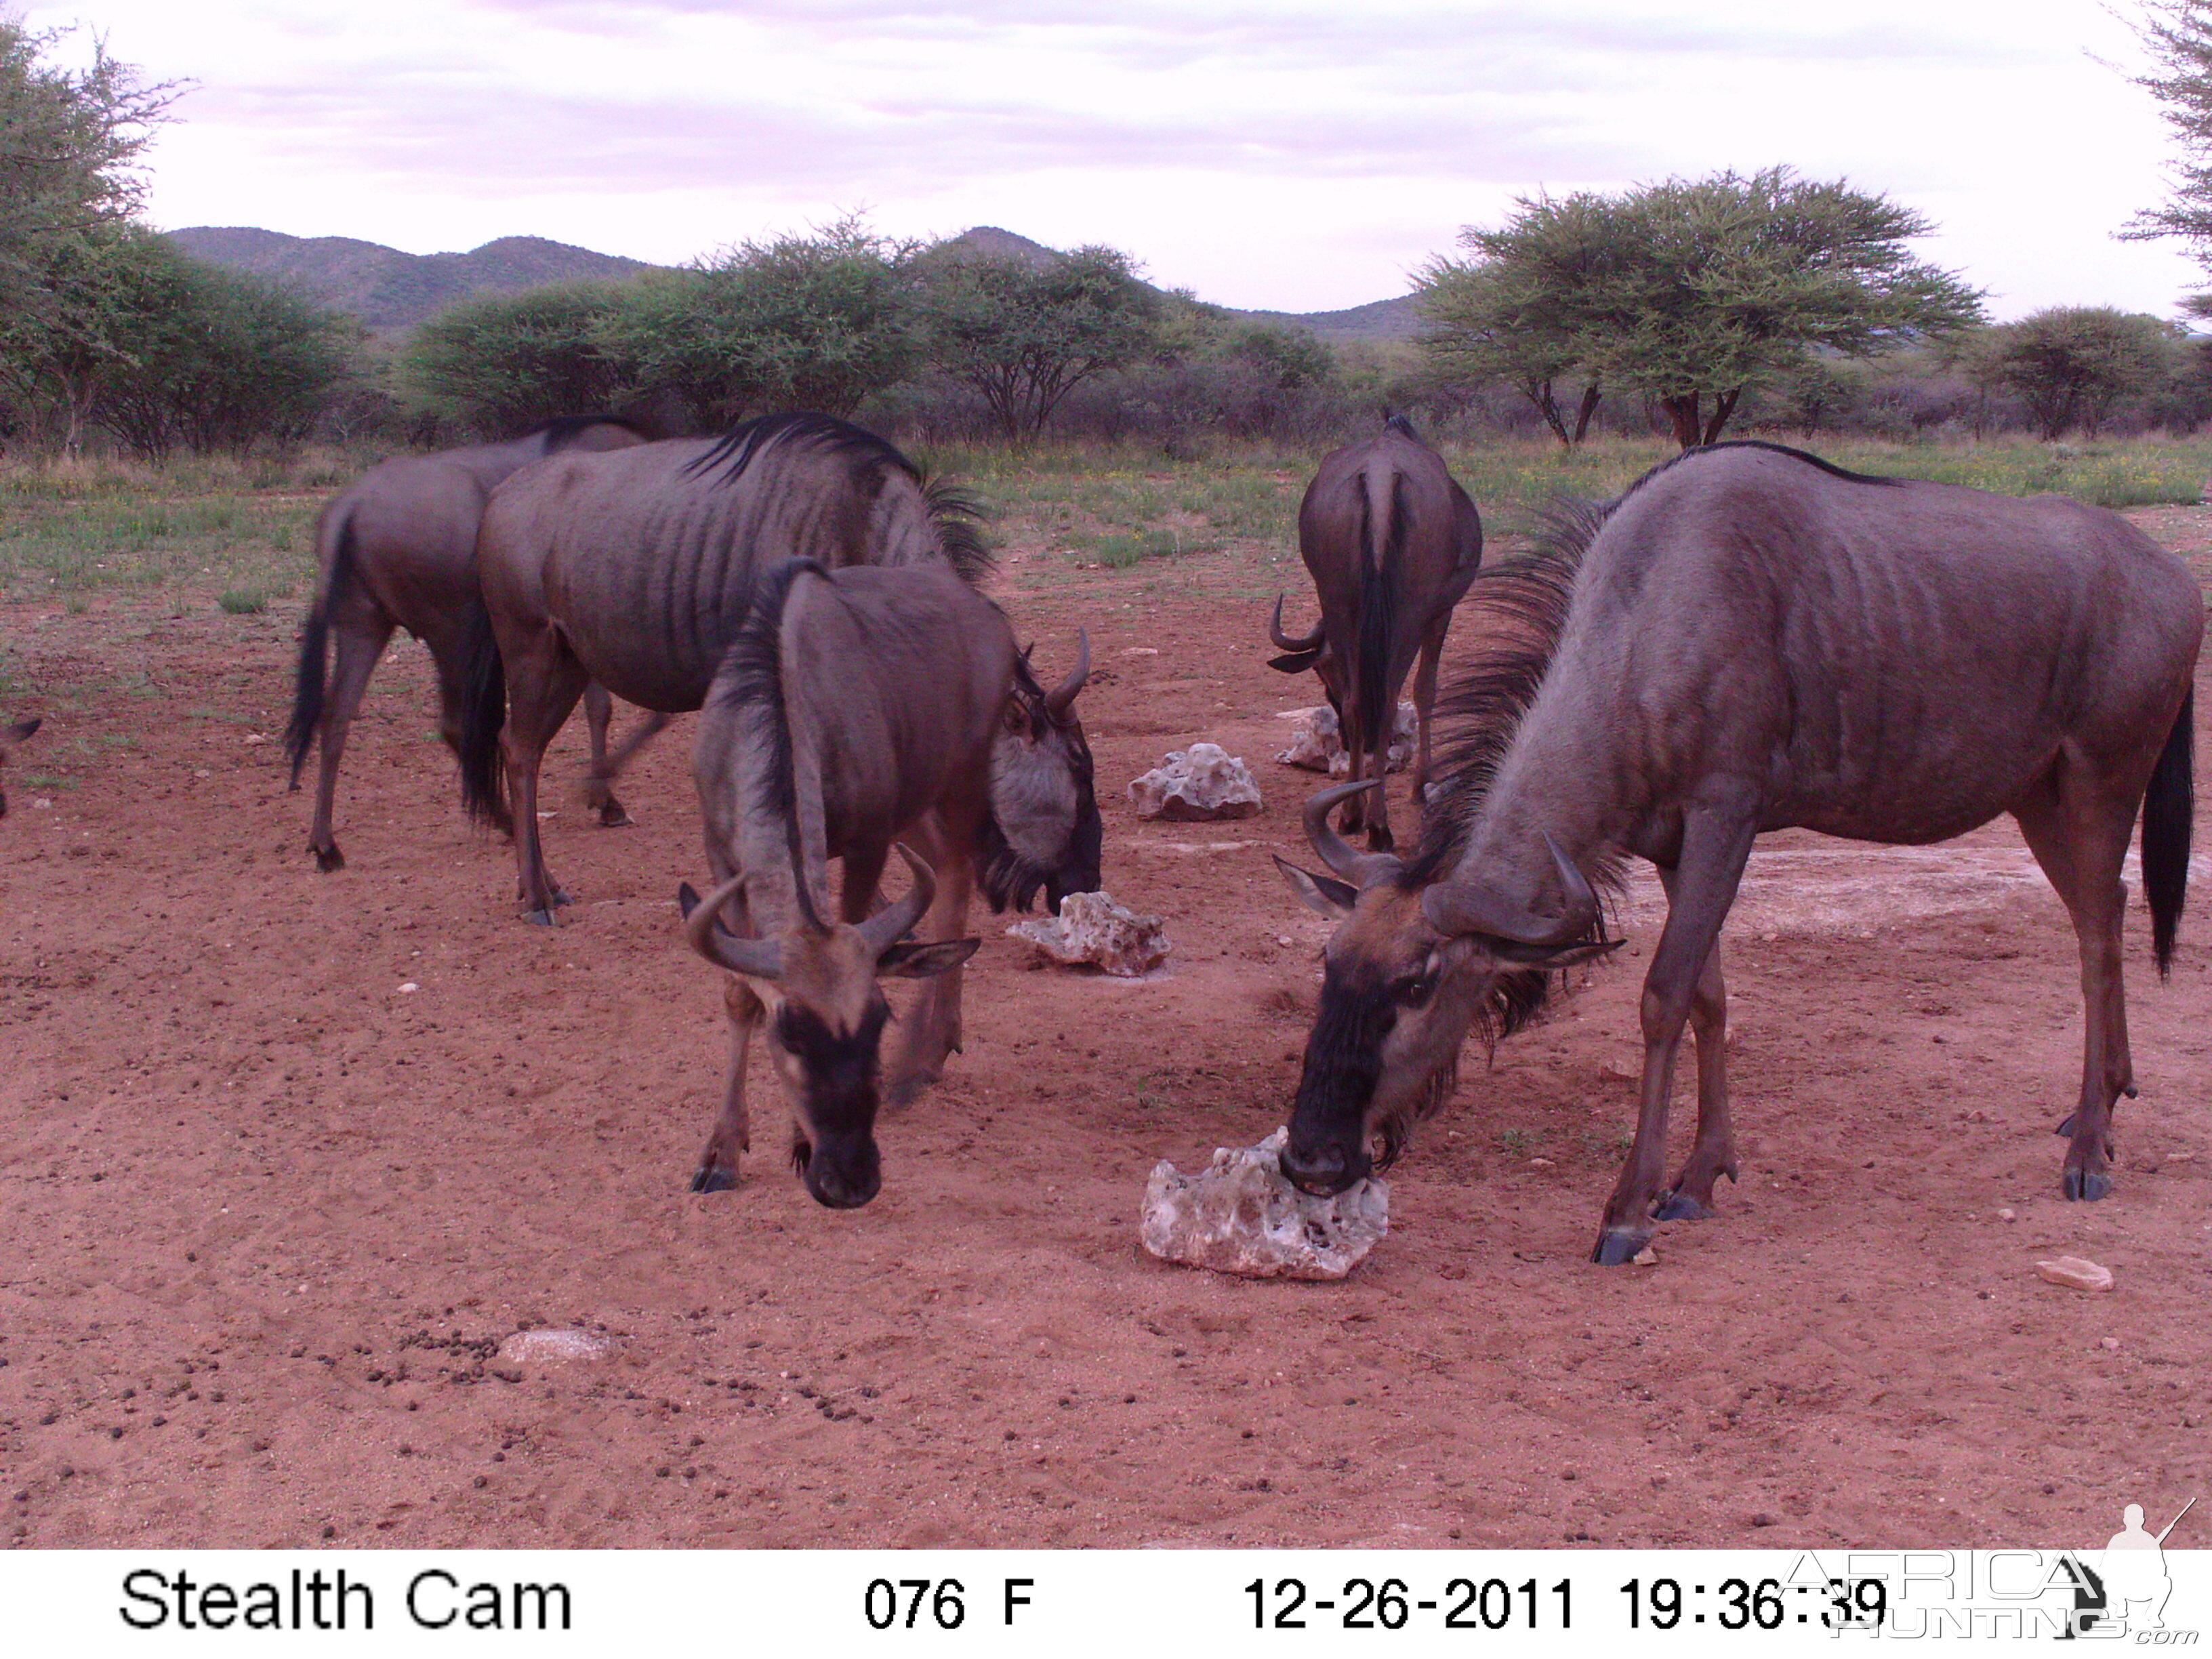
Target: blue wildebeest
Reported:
point(9, 737)
point(1391, 542)
point(634, 569)
point(856, 709)
point(397, 550)
point(1750, 639)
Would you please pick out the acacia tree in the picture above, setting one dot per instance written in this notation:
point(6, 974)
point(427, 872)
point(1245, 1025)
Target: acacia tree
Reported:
point(1693, 290)
point(2071, 364)
point(501, 362)
point(2177, 35)
point(1023, 334)
point(814, 322)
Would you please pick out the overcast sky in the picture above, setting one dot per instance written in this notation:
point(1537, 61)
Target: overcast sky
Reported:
point(1287, 154)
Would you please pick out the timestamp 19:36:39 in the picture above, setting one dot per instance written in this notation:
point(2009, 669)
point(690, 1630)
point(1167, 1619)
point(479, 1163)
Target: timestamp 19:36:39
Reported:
point(1769, 1604)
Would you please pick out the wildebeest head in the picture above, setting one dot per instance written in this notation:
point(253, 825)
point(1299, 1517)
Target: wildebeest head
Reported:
point(1044, 830)
point(1399, 995)
point(825, 1018)
point(1308, 651)
point(12, 735)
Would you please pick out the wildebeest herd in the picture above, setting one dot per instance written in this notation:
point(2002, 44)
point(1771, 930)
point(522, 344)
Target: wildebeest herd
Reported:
point(1748, 639)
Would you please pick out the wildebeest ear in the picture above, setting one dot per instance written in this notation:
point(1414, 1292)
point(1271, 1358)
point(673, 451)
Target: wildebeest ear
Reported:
point(1323, 895)
point(1296, 662)
point(911, 959)
point(687, 900)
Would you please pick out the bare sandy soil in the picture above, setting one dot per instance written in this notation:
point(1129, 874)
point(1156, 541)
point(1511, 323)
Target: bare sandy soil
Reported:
point(266, 1211)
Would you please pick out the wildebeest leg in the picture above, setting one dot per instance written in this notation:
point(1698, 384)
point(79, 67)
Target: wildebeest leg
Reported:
point(2080, 839)
point(932, 1026)
point(1715, 842)
point(1425, 702)
point(600, 788)
point(1691, 1197)
point(732, 1133)
point(543, 685)
point(362, 639)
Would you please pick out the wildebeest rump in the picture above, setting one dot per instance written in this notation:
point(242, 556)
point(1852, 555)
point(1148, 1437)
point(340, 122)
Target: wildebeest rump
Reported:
point(397, 550)
point(1751, 640)
point(1391, 542)
point(9, 737)
point(855, 709)
point(635, 569)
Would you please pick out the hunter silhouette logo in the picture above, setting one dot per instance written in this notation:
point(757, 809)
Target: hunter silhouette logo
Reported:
point(2126, 1592)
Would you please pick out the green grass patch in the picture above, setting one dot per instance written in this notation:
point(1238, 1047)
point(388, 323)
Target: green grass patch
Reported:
point(243, 601)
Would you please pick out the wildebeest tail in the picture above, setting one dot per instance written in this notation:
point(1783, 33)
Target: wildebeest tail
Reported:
point(311, 681)
point(1378, 599)
point(483, 716)
point(2168, 805)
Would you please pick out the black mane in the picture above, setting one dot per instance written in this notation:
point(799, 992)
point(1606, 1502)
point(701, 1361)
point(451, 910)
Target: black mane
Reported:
point(752, 676)
point(956, 514)
point(1828, 467)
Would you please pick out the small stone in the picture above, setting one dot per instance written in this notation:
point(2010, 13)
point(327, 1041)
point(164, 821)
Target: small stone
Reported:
point(1646, 1257)
point(1317, 741)
point(2109, 1344)
point(1092, 928)
point(1541, 1163)
point(1200, 784)
point(2076, 1273)
point(201, 772)
point(253, 739)
point(2181, 1157)
point(409, 988)
point(2006, 1215)
point(42, 804)
point(1239, 1215)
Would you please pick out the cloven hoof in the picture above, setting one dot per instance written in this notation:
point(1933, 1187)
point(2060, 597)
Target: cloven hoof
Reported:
point(329, 859)
point(542, 918)
point(2086, 1184)
point(1619, 1246)
point(711, 1179)
point(1680, 1206)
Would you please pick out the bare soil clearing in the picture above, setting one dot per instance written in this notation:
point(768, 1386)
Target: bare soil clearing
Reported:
point(285, 1157)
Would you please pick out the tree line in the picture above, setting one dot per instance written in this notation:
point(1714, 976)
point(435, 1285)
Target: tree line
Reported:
point(1764, 301)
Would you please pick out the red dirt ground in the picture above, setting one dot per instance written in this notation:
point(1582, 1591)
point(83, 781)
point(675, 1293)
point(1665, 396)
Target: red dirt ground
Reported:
point(266, 1211)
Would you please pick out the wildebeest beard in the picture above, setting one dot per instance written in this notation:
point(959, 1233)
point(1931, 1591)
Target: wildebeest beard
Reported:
point(1343, 1064)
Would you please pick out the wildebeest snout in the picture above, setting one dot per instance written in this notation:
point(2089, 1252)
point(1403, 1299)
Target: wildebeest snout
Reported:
point(844, 1175)
point(1324, 1169)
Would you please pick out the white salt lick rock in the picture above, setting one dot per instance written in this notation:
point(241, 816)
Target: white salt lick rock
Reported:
point(1317, 741)
point(2076, 1273)
point(1093, 930)
point(1239, 1215)
point(540, 1346)
point(1200, 784)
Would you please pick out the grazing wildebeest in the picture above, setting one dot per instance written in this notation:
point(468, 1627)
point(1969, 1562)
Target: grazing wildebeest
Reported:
point(9, 737)
point(397, 550)
point(855, 709)
point(1750, 639)
point(634, 569)
point(1391, 542)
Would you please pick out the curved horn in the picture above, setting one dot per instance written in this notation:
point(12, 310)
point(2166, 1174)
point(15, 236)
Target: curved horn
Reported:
point(1058, 700)
point(1452, 907)
point(887, 926)
point(1362, 870)
point(758, 958)
point(1284, 640)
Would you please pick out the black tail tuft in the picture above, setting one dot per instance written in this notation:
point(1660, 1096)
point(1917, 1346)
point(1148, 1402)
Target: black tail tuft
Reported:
point(2168, 805)
point(483, 716)
point(311, 681)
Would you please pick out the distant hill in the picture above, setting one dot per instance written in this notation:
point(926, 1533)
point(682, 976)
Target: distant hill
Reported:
point(389, 290)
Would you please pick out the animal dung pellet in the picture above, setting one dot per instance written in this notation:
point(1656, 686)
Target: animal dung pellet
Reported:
point(1317, 741)
point(1197, 785)
point(554, 1346)
point(2075, 1272)
point(1239, 1215)
point(1092, 929)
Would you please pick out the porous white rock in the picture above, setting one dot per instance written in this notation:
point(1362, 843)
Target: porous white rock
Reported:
point(1094, 928)
point(1238, 1215)
point(1317, 741)
point(538, 1346)
point(1197, 785)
